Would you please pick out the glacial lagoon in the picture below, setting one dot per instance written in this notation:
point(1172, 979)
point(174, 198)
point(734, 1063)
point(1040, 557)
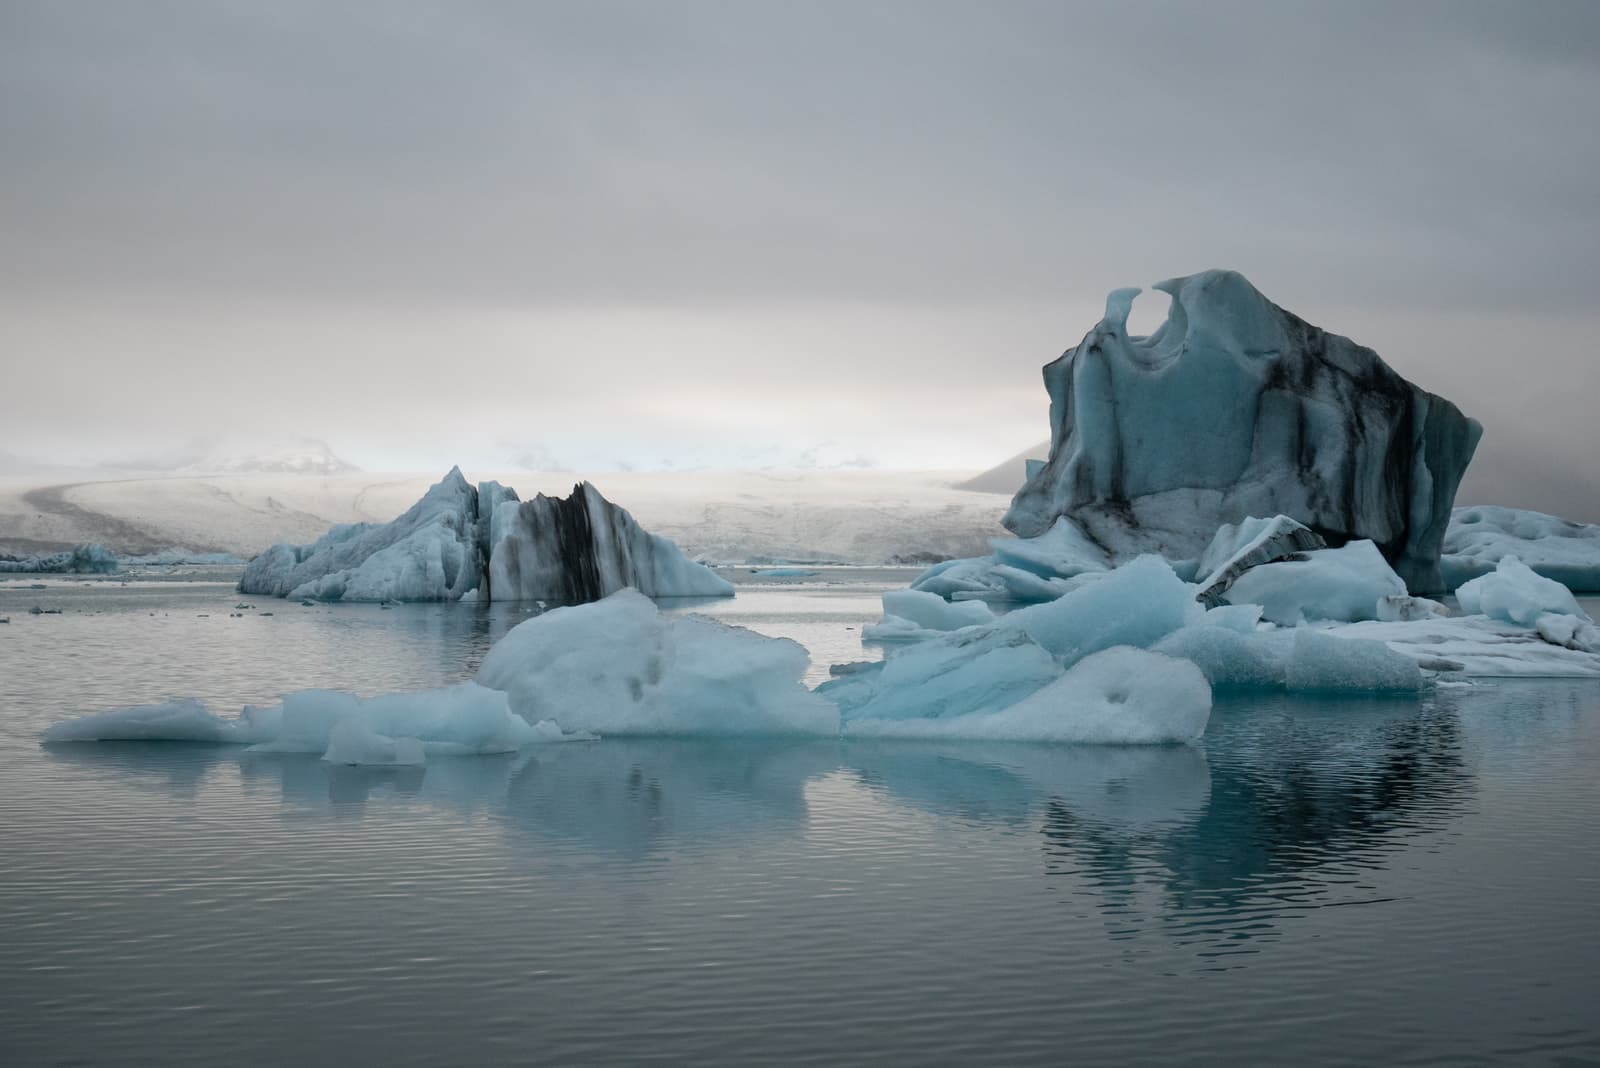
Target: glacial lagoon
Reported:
point(1318, 881)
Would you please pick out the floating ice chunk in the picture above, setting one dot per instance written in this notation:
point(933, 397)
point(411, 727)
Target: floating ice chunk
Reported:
point(83, 559)
point(1134, 605)
point(1479, 646)
point(1237, 548)
point(1022, 570)
point(430, 564)
point(786, 572)
point(464, 719)
point(964, 671)
point(428, 554)
point(1298, 660)
point(1320, 662)
point(1514, 593)
point(897, 629)
point(1232, 659)
point(1060, 552)
point(1479, 537)
point(914, 614)
point(1569, 632)
point(581, 548)
point(1118, 696)
point(1404, 608)
point(1237, 408)
point(174, 557)
point(619, 666)
point(1343, 584)
point(183, 720)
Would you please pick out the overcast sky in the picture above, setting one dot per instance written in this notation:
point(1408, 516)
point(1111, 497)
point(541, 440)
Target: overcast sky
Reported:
point(744, 232)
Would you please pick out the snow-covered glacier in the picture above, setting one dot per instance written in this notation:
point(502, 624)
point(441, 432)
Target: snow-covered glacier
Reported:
point(1235, 408)
point(461, 540)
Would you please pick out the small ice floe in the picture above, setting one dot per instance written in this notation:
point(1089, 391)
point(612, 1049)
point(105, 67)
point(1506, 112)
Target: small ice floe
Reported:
point(395, 729)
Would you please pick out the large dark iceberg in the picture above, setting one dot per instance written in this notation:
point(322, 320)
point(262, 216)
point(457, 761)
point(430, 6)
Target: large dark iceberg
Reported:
point(463, 540)
point(1236, 408)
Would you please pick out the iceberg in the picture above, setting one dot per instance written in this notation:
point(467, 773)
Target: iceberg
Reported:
point(1118, 696)
point(1514, 593)
point(582, 548)
point(1022, 570)
point(1479, 537)
point(619, 666)
point(1481, 647)
point(976, 669)
point(915, 614)
point(79, 560)
point(1344, 584)
point(1236, 408)
point(405, 728)
point(461, 540)
point(1235, 549)
point(430, 553)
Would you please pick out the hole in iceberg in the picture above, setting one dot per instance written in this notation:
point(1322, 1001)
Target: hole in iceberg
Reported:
point(1149, 312)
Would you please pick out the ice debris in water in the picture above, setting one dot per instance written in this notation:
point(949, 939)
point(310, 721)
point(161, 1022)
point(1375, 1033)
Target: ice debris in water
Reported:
point(88, 559)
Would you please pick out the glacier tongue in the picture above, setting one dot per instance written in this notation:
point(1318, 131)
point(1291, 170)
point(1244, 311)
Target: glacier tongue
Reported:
point(1237, 408)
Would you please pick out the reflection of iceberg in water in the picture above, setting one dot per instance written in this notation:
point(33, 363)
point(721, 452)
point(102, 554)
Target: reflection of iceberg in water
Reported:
point(627, 797)
point(1304, 798)
point(1289, 806)
point(1126, 788)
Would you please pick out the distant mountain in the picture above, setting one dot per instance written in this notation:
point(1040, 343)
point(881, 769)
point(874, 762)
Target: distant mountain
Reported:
point(1007, 476)
point(305, 456)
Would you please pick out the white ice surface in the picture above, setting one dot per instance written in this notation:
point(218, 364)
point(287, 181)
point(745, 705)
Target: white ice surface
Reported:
point(1342, 584)
point(1481, 536)
point(465, 719)
point(915, 614)
point(1115, 696)
point(429, 553)
point(1514, 593)
point(619, 666)
point(1478, 646)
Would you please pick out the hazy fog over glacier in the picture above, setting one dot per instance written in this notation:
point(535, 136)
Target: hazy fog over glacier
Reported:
point(731, 234)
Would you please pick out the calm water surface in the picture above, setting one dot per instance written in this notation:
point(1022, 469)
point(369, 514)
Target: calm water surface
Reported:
point(1331, 882)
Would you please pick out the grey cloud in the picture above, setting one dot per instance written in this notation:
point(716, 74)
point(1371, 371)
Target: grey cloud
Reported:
point(597, 153)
